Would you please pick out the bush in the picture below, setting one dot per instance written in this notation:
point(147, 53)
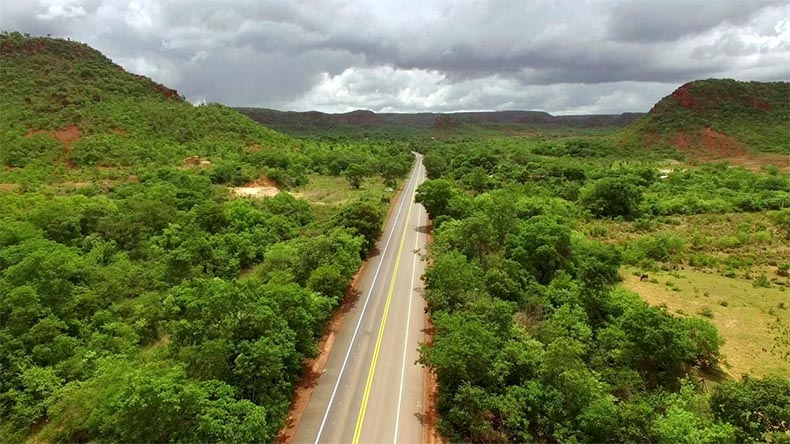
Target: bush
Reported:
point(757, 408)
point(761, 281)
point(612, 197)
point(663, 247)
point(23, 150)
point(645, 224)
point(706, 312)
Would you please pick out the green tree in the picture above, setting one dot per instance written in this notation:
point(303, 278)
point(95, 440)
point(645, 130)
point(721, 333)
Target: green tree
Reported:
point(354, 174)
point(782, 221)
point(328, 280)
point(680, 426)
point(464, 351)
point(705, 341)
point(612, 197)
point(598, 265)
point(392, 169)
point(451, 281)
point(119, 402)
point(758, 408)
point(435, 196)
point(365, 218)
point(687, 419)
point(658, 344)
point(542, 246)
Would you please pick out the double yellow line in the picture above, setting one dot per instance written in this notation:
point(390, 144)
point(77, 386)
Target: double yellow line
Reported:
point(372, 371)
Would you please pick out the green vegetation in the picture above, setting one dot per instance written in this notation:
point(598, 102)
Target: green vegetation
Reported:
point(535, 339)
point(122, 314)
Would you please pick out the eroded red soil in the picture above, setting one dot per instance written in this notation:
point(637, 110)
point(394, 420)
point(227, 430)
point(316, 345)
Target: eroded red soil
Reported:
point(67, 136)
point(710, 145)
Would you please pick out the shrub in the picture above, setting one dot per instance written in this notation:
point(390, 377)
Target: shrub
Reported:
point(645, 224)
point(758, 408)
point(761, 281)
point(706, 312)
point(612, 197)
point(730, 242)
point(662, 247)
point(597, 230)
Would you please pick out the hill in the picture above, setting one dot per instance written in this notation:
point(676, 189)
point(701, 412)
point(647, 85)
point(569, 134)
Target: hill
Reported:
point(367, 122)
point(103, 115)
point(719, 119)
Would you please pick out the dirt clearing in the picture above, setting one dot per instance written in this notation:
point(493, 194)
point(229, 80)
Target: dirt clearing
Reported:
point(67, 136)
point(257, 189)
point(710, 145)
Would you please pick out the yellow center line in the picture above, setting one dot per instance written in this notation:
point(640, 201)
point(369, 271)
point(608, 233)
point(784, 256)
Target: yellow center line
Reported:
point(371, 372)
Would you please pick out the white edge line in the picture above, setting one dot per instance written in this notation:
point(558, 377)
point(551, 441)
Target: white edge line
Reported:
point(364, 307)
point(408, 324)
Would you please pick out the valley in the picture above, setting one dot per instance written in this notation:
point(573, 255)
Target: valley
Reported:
point(250, 275)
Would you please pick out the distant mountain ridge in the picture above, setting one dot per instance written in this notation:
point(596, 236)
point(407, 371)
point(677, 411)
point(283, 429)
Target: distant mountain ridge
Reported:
point(295, 121)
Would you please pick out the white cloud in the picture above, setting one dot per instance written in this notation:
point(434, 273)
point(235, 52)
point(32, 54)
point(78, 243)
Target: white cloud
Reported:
point(337, 55)
point(64, 10)
point(388, 89)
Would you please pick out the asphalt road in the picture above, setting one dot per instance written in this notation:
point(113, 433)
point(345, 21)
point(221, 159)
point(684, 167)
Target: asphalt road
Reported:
point(371, 390)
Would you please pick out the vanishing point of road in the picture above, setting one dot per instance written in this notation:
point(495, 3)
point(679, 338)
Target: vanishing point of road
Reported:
point(371, 390)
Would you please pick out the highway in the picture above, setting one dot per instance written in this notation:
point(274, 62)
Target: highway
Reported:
point(371, 390)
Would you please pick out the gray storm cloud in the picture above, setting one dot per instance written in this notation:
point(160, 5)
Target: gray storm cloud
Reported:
point(337, 55)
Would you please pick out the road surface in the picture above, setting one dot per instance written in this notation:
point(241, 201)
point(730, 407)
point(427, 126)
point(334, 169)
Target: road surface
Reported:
point(371, 390)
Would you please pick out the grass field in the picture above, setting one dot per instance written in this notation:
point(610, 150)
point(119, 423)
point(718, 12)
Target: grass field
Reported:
point(739, 242)
point(327, 193)
point(754, 322)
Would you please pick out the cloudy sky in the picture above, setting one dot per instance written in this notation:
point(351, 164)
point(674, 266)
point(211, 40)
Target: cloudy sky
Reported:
point(419, 55)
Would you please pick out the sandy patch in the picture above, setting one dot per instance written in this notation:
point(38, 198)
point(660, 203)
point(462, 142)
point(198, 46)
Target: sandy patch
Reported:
point(8, 186)
point(197, 161)
point(255, 192)
point(257, 189)
point(75, 185)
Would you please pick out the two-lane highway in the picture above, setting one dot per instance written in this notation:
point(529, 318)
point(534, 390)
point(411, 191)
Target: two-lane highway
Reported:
point(371, 389)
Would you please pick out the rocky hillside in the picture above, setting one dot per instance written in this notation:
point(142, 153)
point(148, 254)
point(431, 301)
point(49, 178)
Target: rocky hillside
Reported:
point(721, 116)
point(63, 102)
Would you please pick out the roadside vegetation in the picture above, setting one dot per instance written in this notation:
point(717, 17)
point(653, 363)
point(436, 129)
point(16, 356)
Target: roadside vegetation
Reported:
point(122, 315)
point(538, 339)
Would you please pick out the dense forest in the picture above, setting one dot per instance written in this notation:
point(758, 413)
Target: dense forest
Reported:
point(535, 339)
point(133, 285)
